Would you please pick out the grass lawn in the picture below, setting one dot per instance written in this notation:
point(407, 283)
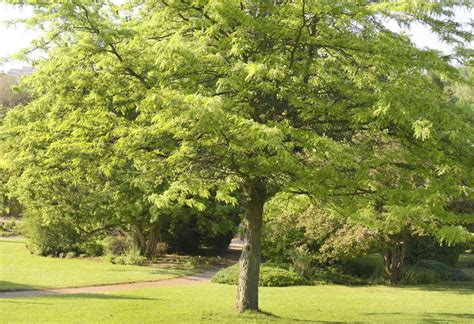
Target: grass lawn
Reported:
point(21, 270)
point(214, 303)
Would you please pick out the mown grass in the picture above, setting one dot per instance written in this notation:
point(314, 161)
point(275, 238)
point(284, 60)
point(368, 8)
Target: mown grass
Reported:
point(214, 303)
point(211, 303)
point(20, 270)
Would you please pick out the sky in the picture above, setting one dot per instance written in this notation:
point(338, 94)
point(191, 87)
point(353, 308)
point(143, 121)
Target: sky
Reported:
point(15, 38)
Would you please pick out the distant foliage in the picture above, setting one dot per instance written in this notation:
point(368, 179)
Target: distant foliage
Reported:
point(296, 231)
point(412, 275)
point(116, 244)
point(270, 276)
point(368, 266)
point(444, 271)
point(430, 272)
point(131, 256)
point(427, 247)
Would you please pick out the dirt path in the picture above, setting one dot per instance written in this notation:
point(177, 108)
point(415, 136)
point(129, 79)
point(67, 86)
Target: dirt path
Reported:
point(201, 278)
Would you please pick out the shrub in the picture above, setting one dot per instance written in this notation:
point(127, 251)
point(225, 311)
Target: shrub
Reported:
point(333, 275)
point(11, 228)
point(412, 275)
point(9, 225)
point(444, 271)
point(270, 276)
point(368, 266)
point(431, 271)
point(428, 248)
point(303, 261)
point(131, 257)
point(70, 255)
point(297, 231)
point(92, 248)
point(116, 245)
point(54, 238)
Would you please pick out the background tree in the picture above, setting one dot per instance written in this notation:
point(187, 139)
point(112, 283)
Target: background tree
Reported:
point(9, 98)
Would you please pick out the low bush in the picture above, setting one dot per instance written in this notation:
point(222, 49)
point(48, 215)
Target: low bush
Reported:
point(428, 248)
point(444, 271)
point(52, 239)
point(92, 248)
point(270, 276)
point(430, 272)
point(11, 228)
point(131, 257)
point(333, 275)
point(116, 245)
point(368, 266)
point(412, 275)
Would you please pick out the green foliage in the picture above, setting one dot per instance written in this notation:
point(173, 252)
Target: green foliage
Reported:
point(188, 231)
point(412, 275)
point(131, 256)
point(444, 271)
point(139, 108)
point(270, 276)
point(430, 272)
point(116, 245)
point(296, 231)
point(59, 236)
point(334, 275)
point(52, 239)
point(368, 266)
point(427, 247)
point(119, 249)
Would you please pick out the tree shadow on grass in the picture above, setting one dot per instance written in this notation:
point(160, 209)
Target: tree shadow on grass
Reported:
point(463, 288)
point(428, 317)
point(7, 286)
point(458, 287)
point(272, 317)
point(25, 291)
point(21, 302)
point(103, 296)
point(156, 271)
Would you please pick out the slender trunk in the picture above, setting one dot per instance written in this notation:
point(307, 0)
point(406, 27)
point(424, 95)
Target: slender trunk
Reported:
point(394, 260)
point(138, 238)
point(152, 241)
point(247, 293)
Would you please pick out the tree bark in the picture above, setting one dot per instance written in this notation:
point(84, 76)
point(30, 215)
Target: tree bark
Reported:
point(152, 241)
point(394, 260)
point(138, 238)
point(247, 292)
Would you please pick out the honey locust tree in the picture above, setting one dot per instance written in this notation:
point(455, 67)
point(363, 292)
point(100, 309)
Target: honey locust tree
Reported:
point(264, 97)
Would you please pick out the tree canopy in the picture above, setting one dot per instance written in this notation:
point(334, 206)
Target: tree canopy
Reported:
point(149, 105)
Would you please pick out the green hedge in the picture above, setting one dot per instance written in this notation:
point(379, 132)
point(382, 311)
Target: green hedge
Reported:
point(270, 276)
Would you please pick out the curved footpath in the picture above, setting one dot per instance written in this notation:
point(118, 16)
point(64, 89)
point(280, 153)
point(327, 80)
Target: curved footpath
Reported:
point(201, 278)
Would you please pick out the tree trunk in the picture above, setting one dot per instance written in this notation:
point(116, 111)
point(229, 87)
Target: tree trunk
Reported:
point(138, 238)
point(152, 241)
point(247, 293)
point(394, 260)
